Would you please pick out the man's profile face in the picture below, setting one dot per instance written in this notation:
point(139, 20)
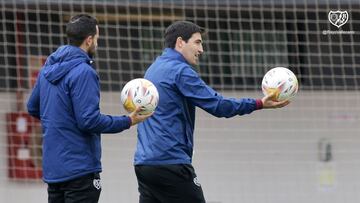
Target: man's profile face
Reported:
point(192, 49)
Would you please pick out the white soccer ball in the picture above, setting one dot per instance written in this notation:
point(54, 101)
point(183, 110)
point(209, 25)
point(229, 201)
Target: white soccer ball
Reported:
point(140, 92)
point(282, 81)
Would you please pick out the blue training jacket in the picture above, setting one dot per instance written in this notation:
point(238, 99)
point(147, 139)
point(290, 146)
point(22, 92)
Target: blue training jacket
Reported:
point(167, 136)
point(66, 99)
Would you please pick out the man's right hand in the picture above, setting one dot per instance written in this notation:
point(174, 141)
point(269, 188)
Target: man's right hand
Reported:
point(137, 118)
point(269, 103)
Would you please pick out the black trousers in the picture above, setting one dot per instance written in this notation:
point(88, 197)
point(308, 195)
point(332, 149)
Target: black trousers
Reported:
point(168, 184)
point(85, 189)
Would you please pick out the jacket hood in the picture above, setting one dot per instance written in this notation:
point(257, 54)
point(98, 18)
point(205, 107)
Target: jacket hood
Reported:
point(172, 53)
point(62, 61)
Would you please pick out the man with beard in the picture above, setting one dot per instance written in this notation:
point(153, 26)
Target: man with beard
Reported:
point(66, 99)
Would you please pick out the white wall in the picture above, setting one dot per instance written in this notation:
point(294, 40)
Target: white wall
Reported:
point(270, 156)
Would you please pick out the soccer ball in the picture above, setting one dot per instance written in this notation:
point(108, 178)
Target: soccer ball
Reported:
point(281, 81)
point(140, 92)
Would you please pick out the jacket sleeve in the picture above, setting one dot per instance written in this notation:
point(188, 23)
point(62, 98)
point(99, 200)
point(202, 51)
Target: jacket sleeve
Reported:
point(33, 104)
point(85, 96)
point(194, 88)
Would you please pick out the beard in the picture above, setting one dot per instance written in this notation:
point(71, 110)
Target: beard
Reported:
point(92, 50)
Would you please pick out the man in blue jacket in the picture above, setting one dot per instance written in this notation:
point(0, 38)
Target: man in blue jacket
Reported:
point(165, 141)
point(66, 99)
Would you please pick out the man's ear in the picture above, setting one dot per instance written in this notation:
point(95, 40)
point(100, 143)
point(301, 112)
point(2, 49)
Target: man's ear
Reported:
point(89, 40)
point(179, 42)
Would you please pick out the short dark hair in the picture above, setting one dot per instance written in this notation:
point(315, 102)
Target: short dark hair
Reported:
point(79, 28)
point(183, 29)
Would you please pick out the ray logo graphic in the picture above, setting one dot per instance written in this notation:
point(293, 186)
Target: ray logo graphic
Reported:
point(197, 182)
point(97, 184)
point(338, 18)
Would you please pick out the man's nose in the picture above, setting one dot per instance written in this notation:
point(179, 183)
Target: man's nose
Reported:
point(201, 50)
